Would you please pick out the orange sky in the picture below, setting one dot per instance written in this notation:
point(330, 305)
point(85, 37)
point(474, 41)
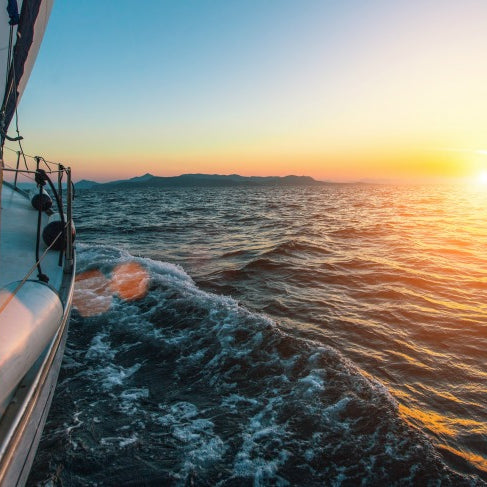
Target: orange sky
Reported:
point(337, 91)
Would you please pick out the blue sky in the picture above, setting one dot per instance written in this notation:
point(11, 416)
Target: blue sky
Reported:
point(269, 87)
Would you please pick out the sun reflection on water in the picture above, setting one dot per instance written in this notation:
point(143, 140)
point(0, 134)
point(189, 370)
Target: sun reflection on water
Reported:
point(396, 276)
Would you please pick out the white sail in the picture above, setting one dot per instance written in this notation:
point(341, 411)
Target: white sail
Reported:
point(27, 37)
point(39, 28)
point(4, 42)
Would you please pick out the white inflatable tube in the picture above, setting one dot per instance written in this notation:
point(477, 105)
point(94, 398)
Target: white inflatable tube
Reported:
point(28, 322)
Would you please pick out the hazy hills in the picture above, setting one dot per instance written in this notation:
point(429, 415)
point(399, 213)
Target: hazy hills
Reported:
point(200, 180)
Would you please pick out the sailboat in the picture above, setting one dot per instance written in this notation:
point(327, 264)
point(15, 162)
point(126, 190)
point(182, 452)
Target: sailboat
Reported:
point(37, 259)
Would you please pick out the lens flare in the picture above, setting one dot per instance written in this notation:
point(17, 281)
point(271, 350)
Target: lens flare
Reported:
point(130, 281)
point(92, 294)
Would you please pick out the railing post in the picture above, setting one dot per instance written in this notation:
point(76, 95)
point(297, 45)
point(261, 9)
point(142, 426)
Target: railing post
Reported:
point(69, 237)
point(17, 170)
point(60, 182)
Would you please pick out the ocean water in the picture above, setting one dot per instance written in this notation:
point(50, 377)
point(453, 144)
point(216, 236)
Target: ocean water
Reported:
point(331, 335)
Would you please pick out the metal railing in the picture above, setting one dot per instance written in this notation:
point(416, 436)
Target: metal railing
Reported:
point(39, 171)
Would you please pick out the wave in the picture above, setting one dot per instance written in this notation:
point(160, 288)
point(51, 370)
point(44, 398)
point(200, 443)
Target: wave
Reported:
point(292, 247)
point(184, 386)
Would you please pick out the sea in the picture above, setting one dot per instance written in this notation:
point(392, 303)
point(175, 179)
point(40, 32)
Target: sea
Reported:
point(330, 335)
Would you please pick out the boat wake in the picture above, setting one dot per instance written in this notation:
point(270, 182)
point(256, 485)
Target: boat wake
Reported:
point(181, 385)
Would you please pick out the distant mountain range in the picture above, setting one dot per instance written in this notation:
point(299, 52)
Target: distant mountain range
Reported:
point(200, 180)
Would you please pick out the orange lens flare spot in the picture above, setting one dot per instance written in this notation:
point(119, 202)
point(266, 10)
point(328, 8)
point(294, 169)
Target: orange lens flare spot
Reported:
point(92, 293)
point(130, 281)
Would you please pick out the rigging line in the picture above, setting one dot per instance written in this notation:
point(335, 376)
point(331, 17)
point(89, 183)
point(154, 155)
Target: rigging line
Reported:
point(33, 157)
point(23, 155)
point(60, 210)
point(12, 87)
point(14, 75)
point(29, 273)
point(22, 152)
point(25, 174)
point(40, 275)
point(45, 162)
point(62, 168)
point(19, 138)
point(30, 171)
point(10, 75)
point(9, 55)
point(3, 134)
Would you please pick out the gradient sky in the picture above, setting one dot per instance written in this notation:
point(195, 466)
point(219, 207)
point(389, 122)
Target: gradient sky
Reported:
point(337, 90)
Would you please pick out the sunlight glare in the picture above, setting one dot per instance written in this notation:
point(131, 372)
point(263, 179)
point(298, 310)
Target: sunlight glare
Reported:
point(482, 178)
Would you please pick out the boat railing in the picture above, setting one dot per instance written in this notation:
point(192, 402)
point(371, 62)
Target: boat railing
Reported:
point(35, 173)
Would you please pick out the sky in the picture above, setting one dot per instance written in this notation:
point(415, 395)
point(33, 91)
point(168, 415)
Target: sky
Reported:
point(337, 90)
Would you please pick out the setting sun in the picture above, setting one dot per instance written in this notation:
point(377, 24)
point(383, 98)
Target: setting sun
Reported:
point(482, 177)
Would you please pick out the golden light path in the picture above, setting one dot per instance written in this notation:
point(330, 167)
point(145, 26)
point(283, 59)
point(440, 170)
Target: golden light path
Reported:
point(443, 425)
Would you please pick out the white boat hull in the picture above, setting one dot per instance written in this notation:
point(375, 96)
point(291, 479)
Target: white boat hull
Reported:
point(26, 415)
point(34, 319)
point(28, 321)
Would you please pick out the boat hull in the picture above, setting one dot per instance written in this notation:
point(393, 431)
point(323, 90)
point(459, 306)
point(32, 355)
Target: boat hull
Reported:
point(27, 414)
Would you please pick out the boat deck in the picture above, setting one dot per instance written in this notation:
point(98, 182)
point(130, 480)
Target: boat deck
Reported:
point(18, 223)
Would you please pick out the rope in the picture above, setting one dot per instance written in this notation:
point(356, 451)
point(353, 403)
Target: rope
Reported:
point(14, 84)
point(37, 263)
point(28, 171)
point(45, 162)
point(26, 174)
point(41, 183)
point(33, 157)
point(40, 175)
point(32, 269)
point(60, 210)
point(41, 178)
point(12, 88)
point(3, 134)
point(9, 55)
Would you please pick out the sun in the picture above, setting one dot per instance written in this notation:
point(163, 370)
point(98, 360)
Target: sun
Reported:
point(482, 178)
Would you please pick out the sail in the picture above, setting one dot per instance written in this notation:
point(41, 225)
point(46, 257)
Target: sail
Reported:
point(25, 31)
point(4, 43)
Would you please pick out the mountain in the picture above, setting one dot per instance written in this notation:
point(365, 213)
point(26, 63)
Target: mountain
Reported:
point(201, 180)
point(140, 179)
point(85, 184)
